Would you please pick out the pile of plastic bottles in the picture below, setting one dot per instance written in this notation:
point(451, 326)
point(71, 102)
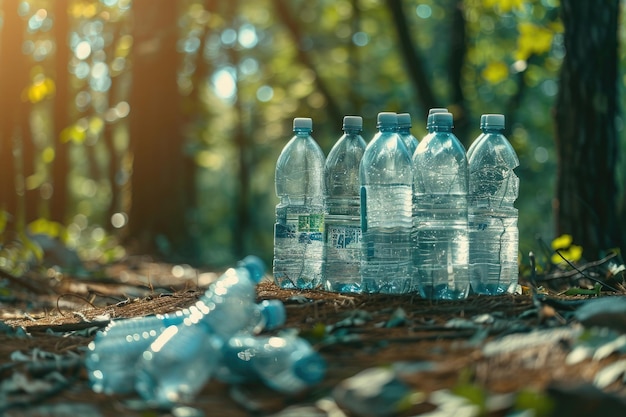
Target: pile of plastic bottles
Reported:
point(168, 358)
point(398, 215)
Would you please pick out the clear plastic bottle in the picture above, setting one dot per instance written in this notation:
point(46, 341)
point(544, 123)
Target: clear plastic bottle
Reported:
point(494, 187)
point(112, 355)
point(476, 141)
point(342, 221)
point(404, 130)
point(386, 182)
point(286, 363)
point(440, 213)
point(182, 358)
point(429, 120)
point(298, 240)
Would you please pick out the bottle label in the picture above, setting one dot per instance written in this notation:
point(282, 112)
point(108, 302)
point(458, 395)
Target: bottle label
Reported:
point(344, 237)
point(307, 228)
point(310, 223)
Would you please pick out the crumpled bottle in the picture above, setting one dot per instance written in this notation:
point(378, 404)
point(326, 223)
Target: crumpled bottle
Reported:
point(178, 362)
point(113, 354)
point(286, 363)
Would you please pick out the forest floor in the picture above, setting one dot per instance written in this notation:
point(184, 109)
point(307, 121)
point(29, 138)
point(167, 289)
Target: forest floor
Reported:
point(496, 356)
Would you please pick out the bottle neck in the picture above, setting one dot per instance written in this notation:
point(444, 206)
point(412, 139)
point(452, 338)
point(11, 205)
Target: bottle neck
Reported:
point(352, 131)
point(498, 131)
point(388, 128)
point(404, 130)
point(302, 133)
point(437, 128)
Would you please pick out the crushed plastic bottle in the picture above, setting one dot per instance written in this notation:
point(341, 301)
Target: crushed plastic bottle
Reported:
point(286, 363)
point(113, 354)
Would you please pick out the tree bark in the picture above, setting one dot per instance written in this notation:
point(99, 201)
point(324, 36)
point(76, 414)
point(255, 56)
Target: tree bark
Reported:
point(284, 14)
point(586, 136)
point(61, 120)
point(13, 109)
point(158, 213)
point(415, 68)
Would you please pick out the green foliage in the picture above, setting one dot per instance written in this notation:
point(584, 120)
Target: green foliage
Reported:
point(247, 71)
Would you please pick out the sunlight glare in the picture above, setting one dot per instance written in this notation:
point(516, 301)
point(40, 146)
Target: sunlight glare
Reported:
point(224, 83)
point(119, 220)
point(247, 36)
point(82, 50)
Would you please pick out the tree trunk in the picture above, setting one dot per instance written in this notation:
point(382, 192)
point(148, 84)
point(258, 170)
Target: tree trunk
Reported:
point(157, 218)
point(413, 61)
point(586, 136)
point(60, 166)
point(13, 110)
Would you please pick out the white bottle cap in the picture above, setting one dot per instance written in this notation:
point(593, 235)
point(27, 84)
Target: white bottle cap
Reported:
point(303, 123)
point(442, 119)
point(354, 122)
point(494, 121)
point(387, 118)
point(404, 120)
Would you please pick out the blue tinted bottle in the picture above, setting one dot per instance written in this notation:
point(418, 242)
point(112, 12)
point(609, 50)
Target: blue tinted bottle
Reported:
point(440, 186)
point(299, 181)
point(494, 187)
point(386, 182)
point(404, 130)
point(342, 221)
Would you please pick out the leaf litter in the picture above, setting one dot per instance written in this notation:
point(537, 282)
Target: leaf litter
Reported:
point(388, 355)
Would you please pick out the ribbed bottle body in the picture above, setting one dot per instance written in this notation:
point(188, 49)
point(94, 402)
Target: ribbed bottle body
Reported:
point(298, 231)
point(342, 219)
point(386, 182)
point(494, 235)
point(440, 236)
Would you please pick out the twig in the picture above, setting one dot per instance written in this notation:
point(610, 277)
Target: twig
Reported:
point(558, 252)
point(72, 295)
point(569, 274)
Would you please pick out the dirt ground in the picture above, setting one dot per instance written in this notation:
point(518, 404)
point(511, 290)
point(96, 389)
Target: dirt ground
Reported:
point(434, 347)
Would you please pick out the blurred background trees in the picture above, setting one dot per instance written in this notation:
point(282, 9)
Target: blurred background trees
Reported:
point(154, 125)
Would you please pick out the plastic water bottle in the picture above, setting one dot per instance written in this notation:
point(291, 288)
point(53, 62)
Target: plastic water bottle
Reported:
point(404, 130)
point(342, 221)
point(386, 182)
point(183, 357)
point(440, 213)
point(476, 141)
point(494, 187)
point(112, 355)
point(285, 363)
point(298, 245)
point(430, 127)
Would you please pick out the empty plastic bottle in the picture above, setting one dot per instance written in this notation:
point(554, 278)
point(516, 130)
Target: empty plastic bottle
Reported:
point(429, 120)
point(476, 141)
point(182, 358)
point(342, 221)
point(440, 188)
point(285, 363)
point(494, 187)
point(386, 182)
point(404, 130)
point(113, 353)
point(298, 246)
